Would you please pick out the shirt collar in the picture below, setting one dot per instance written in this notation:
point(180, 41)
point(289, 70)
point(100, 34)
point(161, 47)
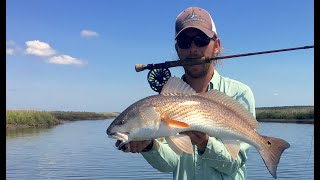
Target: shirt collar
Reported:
point(214, 82)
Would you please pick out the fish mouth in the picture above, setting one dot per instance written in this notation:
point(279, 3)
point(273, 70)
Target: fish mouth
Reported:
point(122, 136)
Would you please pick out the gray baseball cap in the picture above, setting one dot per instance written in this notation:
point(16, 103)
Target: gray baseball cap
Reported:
point(198, 18)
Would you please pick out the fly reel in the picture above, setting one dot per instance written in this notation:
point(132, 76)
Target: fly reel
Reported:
point(157, 78)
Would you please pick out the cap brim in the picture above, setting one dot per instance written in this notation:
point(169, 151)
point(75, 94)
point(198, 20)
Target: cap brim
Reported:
point(204, 30)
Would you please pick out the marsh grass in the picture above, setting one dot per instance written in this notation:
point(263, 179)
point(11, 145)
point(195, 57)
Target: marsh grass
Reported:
point(30, 118)
point(73, 116)
point(285, 112)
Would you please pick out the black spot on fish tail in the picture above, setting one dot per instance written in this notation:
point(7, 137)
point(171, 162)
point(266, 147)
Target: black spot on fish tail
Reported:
point(272, 152)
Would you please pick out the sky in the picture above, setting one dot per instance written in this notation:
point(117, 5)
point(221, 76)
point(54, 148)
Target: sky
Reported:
point(64, 55)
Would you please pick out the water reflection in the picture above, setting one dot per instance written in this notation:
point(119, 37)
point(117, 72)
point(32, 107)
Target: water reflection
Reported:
point(23, 132)
point(297, 162)
point(82, 150)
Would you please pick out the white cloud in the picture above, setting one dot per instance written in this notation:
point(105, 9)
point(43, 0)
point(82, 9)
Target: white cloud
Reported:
point(11, 47)
point(42, 49)
point(39, 48)
point(9, 51)
point(88, 33)
point(275, 94)
point(10, 43)
point(65, 60)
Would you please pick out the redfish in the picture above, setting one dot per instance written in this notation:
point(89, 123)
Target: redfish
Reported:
point(179, 108)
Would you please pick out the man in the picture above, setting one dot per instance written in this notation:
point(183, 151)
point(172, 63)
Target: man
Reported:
point(196, 37)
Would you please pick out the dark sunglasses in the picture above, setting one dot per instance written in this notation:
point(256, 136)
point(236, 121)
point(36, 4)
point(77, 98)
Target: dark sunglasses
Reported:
point(200, 40)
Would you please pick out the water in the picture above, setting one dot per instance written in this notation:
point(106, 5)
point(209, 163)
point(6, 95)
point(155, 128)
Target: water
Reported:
point(81, 150)
point(297, 162)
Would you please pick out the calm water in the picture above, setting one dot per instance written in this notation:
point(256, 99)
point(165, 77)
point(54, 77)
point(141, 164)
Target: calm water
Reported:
point(81, 150)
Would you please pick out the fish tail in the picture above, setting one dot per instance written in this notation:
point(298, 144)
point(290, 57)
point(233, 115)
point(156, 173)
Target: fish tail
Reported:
point(271, 153)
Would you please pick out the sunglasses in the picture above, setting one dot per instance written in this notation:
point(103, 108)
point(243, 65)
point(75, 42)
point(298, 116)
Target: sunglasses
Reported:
point(200, 40)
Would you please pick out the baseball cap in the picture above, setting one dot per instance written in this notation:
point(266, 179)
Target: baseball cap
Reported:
point(195, 17)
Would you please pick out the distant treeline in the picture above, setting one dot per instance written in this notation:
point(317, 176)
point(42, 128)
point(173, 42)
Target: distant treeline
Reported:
point(285, 112)
point(32, 118)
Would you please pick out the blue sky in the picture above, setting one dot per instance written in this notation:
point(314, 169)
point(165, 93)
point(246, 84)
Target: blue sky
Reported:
point(80, 55)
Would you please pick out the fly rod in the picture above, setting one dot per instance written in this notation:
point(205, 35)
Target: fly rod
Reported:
point(159, 73)
point(168, 64)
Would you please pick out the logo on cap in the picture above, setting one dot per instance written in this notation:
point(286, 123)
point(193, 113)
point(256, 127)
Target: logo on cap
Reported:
point(192, 17)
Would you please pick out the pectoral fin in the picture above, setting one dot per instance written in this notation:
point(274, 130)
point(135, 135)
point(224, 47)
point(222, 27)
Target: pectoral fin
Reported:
point(180, 143)
point(233, 147)
point(175, 124)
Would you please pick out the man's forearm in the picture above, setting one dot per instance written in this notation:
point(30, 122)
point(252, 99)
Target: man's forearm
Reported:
point(161, 157)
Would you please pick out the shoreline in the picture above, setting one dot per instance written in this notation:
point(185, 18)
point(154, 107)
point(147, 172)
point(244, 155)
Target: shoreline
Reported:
point(17, 119)
point(22, 119)
point(61, 121)
point(296, 121)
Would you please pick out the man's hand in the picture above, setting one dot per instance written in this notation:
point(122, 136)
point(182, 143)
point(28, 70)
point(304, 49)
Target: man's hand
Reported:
point(198, 138)
point(134, 146)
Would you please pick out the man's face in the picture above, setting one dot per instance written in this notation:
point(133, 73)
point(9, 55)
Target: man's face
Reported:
point(192, 51)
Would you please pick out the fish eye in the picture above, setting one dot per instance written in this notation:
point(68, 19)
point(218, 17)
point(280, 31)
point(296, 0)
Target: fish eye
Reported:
point(121, 122)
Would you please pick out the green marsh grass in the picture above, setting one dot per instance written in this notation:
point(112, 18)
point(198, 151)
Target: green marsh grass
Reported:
point(285, 112)
point(30, 118)
point(73, 115)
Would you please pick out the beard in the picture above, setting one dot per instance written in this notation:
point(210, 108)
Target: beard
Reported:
point(200, 72)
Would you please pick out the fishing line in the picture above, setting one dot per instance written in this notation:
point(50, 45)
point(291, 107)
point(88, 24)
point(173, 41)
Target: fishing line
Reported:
point(311, 143)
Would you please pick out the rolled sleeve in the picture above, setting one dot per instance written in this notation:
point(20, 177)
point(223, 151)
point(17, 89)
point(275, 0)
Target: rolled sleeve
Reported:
point(161, 157)
point(217, 156)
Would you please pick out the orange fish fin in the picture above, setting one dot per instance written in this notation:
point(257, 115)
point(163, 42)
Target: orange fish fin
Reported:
point(180, 143)
point(233, 147)
point(175, 124)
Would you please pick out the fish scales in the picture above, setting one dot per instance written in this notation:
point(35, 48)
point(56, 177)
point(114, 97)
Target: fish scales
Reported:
point(204, 111)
